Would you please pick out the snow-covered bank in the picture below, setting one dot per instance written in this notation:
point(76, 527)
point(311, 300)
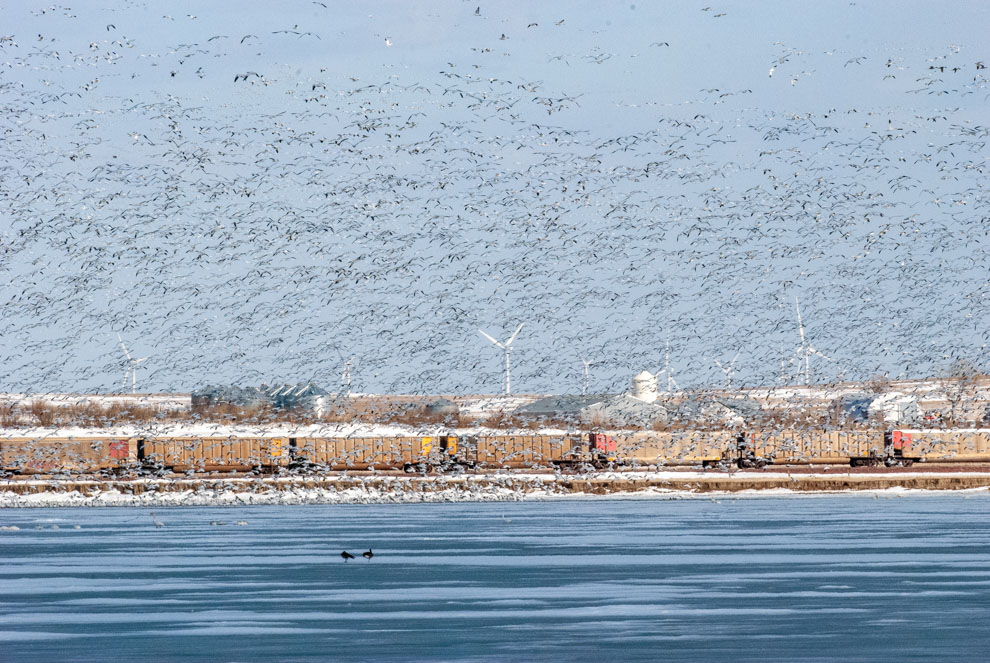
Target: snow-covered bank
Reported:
point(466, 488)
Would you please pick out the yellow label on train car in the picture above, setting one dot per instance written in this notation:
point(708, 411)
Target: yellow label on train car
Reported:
point(427, 445)
point(276, 447)
point(452, 445)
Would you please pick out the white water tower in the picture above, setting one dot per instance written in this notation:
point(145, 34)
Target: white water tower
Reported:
point(644, 387)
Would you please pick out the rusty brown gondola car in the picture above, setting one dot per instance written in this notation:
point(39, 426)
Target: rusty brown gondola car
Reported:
point(82, 454)
point(96, 453)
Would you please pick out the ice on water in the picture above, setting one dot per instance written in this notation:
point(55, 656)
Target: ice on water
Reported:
point(694, 579)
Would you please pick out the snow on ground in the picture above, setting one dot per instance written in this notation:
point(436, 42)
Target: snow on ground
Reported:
point(513, 487)
point(157, 401)
point(284, 429)
point(486, 405)
point(930, 390)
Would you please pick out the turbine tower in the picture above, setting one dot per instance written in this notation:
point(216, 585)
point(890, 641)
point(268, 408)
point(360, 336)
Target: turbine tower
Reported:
point(671, 382)
point(507, 346)
point(805, 350)
point(345, 377)
point(728, 370)
point(587, 379)
point(133, 368)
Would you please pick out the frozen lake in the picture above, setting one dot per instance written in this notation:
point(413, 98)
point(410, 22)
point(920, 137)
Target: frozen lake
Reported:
point(789, 578)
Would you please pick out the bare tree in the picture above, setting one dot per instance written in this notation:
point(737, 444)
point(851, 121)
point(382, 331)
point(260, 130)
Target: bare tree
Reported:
point(960, 382)
point(878, 384)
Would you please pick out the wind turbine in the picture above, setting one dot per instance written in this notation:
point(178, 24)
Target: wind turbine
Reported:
point(784, 375)
point(727, 369)
point(587, 379)
point(507, 346)
point(805, 349)
point(345, 377)
point(671, 383)
point(133, 363)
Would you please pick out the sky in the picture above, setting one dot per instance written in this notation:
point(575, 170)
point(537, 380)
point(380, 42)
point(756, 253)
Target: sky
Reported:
point(258, 192)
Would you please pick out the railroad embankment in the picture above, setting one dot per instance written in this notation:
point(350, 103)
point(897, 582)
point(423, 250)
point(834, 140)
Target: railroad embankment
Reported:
point(470, 487)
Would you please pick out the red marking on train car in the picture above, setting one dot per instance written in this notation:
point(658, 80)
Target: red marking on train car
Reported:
point(119, 449)
point(603, 444)
point(900, 440)
point(905, 441)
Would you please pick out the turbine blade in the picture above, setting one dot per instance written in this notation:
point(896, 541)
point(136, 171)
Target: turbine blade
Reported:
point(124, 347)
point(513, 337)
point(491, 339)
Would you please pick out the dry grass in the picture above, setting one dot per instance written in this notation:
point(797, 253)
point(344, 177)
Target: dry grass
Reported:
point(8, 416)
point(41, 411)
point(411, 411)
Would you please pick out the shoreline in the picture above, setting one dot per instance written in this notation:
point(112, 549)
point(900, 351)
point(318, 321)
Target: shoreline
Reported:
point(398, 489)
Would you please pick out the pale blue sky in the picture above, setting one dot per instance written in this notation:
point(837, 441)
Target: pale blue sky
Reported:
point(610, 175)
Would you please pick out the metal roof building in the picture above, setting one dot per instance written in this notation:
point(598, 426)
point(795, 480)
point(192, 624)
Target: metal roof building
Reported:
point(562, 406)
point(228, 395)
point(714, 410)
point(625, 410)
point(305, 396)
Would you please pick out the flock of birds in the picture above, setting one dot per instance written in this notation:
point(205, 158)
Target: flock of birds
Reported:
point(251, 207)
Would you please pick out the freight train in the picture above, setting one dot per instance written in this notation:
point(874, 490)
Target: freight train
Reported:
point(94, 453)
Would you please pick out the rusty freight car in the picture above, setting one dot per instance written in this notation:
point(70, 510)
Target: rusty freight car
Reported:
point(77, 454)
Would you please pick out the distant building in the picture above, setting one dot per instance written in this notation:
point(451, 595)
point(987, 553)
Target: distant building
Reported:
point(854, 408)
point(715, 410)
point(566, 408)
point(644, 387)
point(891, 408)
point(638, 407)
point(444, 409)
point(212, 395)
point(625, 410)
point(896, 408)
point(303, 396)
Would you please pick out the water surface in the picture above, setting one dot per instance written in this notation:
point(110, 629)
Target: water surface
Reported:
point(798, 579)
